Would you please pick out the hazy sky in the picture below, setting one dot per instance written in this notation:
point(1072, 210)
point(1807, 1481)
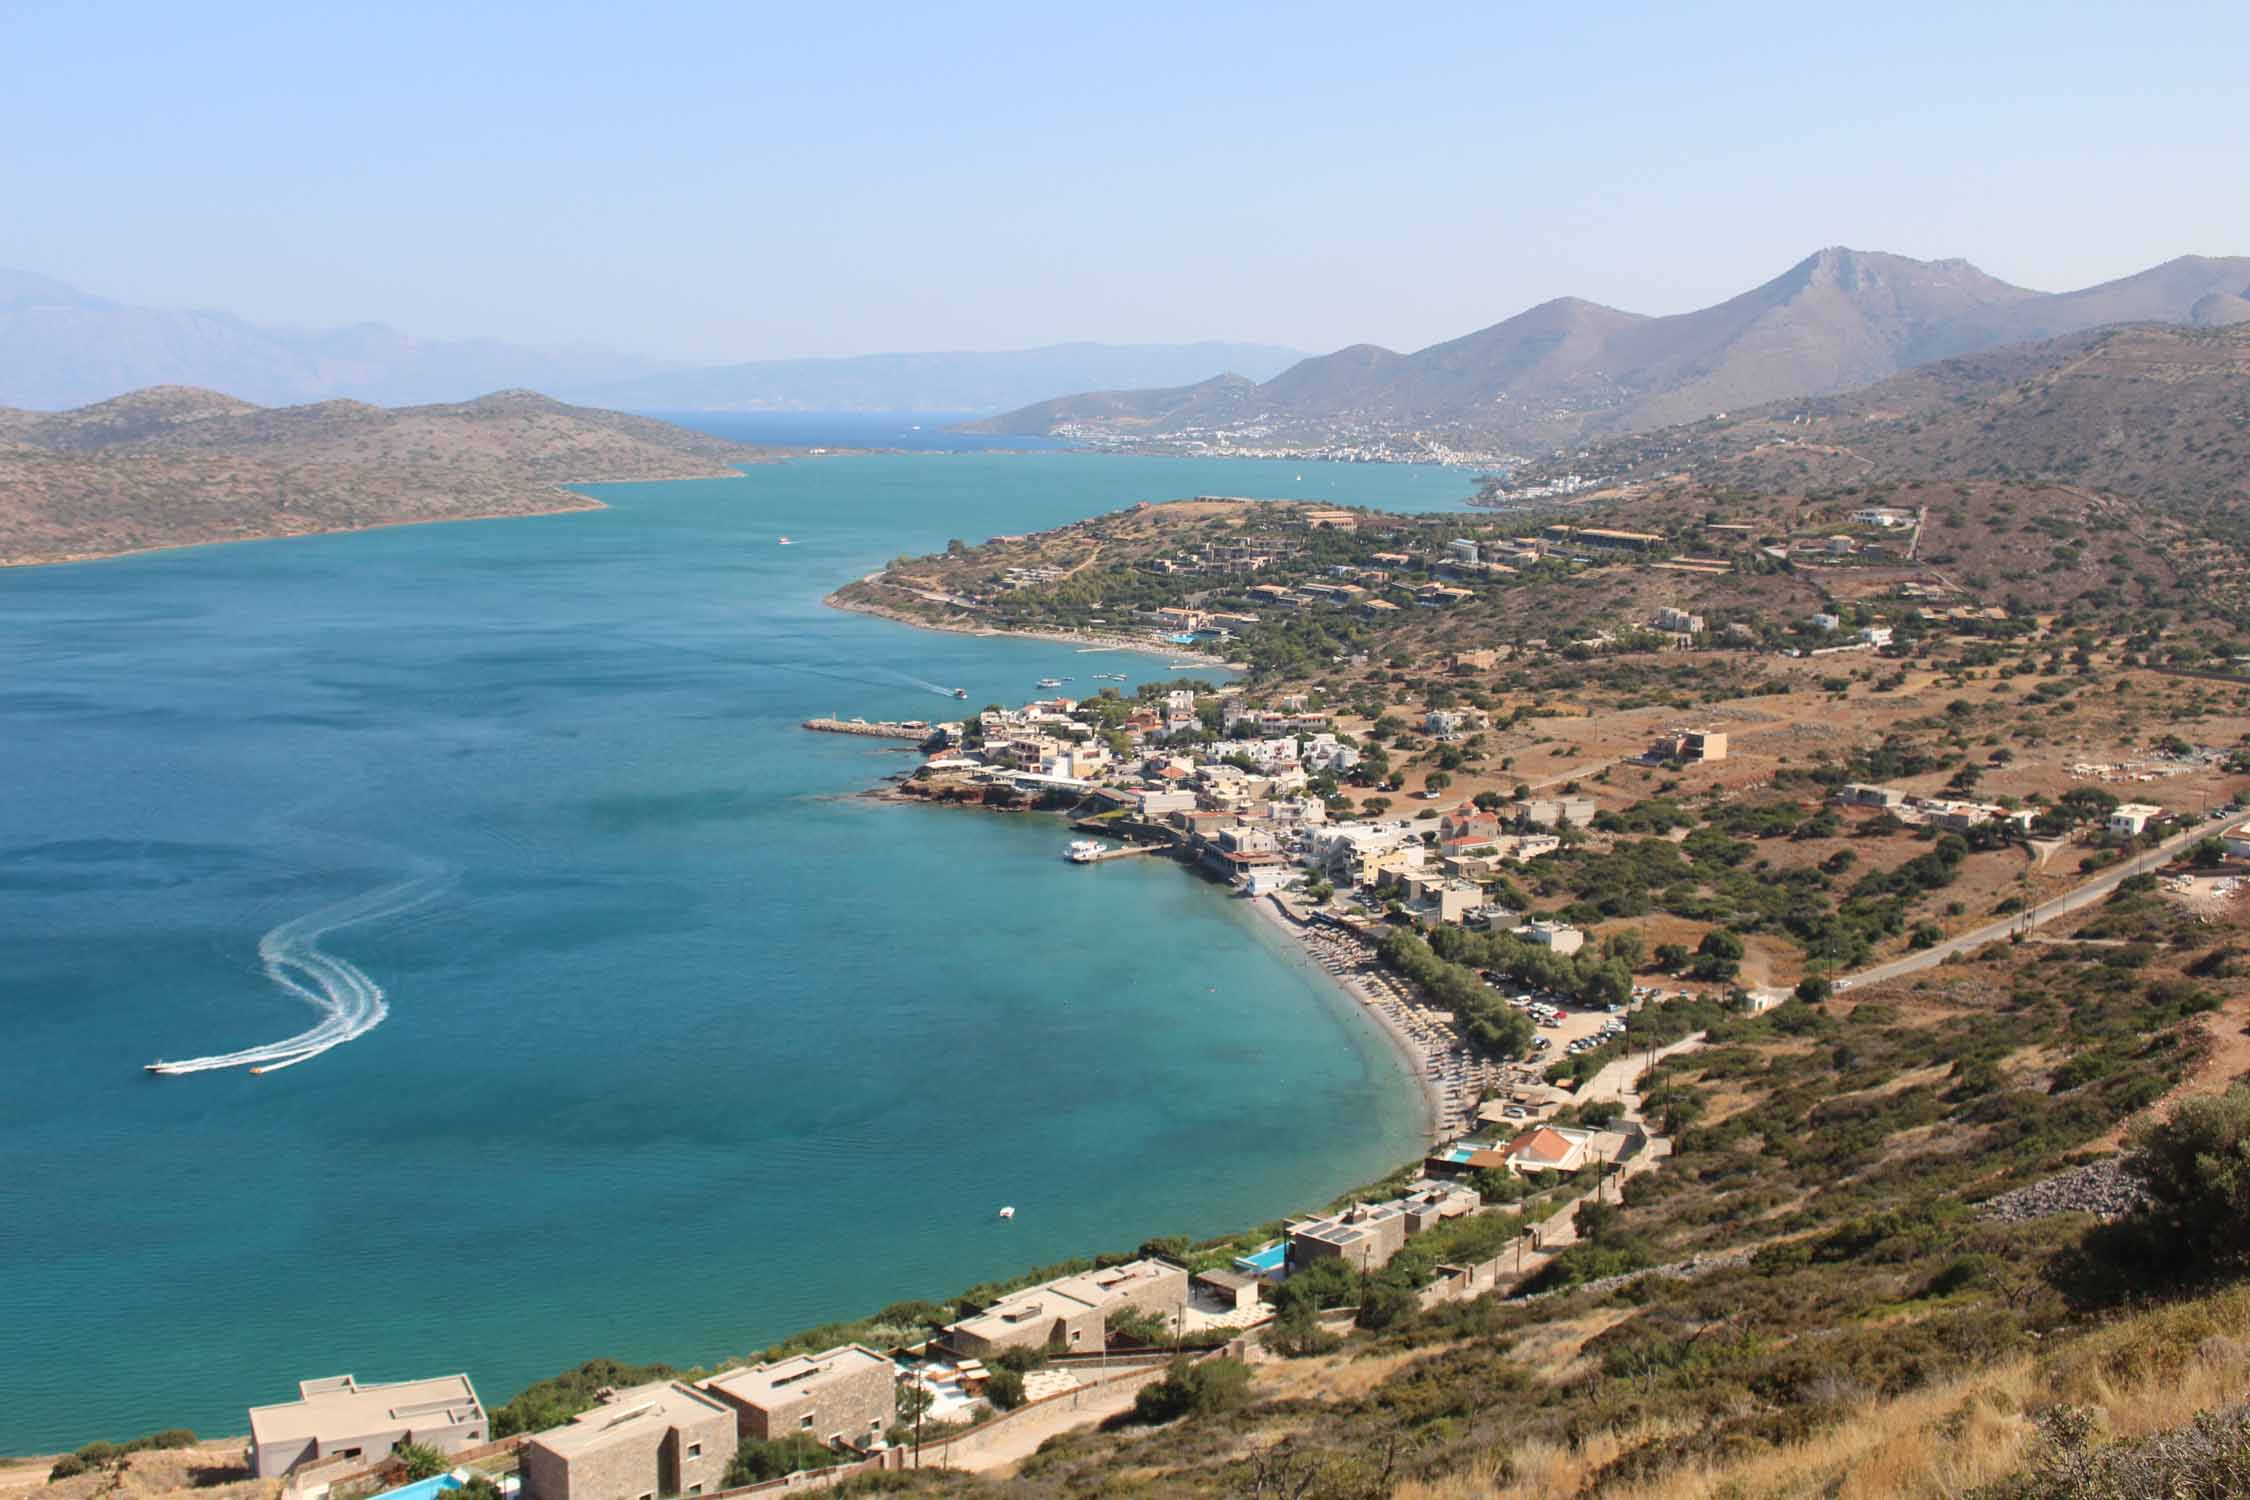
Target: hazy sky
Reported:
point(732, 181)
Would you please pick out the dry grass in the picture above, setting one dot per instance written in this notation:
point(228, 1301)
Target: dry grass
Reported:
point(2147, 1374)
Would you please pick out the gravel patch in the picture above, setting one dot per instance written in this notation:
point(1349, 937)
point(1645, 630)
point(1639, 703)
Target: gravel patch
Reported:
point(2100, 1188)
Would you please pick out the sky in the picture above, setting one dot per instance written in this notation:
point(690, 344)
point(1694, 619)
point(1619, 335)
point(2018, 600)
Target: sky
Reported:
point(732, 181)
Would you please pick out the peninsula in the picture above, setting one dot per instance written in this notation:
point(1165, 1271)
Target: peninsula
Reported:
point(173, 466)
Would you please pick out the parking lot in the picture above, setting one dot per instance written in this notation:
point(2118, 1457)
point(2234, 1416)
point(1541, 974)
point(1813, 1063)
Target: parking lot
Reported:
point(1561, 1023)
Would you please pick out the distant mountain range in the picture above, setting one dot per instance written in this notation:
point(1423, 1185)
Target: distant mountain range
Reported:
point(956, 381)
point(61, 347)
point(174, 465)
point(1568, 371)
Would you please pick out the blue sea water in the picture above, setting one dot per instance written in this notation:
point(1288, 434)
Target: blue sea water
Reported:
point(686, 1047)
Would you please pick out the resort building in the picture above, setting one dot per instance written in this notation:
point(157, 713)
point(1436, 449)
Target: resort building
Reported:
point(847, 1395)
point(337, 1417)
point(1366, 1235)
point(665, 1438)
point(1070, 1313)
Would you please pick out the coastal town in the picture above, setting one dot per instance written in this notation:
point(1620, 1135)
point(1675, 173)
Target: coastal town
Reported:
point(1546, 881)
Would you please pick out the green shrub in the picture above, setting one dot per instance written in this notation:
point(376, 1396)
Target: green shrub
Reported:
point(2195, 1169)
point(756, 1461)
point(1004, 1389)
point(1192, 1389)
point(420, 1460)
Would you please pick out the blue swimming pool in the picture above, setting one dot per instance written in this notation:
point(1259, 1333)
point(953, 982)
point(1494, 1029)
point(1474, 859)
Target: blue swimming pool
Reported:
point(422, 1489)
point(1263, 1262)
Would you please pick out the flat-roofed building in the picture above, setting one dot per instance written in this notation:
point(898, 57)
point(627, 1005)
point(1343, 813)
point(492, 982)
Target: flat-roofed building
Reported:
point(1366, 1235)
point(2130, 819)
point(1560, 936)
point(337, 1417)
point(848, 1394)
point(1070, 1313)
point(1694, 746)
point(665, 1438)
point(1553, 812)
point(1231, 1289)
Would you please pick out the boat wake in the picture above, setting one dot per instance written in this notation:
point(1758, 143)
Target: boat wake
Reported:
point(351, 1004)
point(931, 687)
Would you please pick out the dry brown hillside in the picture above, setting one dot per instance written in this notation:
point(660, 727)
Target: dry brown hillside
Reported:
point(2160, 413)
point(174, 466)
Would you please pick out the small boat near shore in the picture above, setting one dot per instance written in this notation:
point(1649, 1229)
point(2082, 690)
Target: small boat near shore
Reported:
point(1085, 851)
point(1048, 682)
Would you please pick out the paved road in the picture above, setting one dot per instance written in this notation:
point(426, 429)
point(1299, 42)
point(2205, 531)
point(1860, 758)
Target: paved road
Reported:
point(1012, 1440)
point(1992, 932)
point(1614, 1077)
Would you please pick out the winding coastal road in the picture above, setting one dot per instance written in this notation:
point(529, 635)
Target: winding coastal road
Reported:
point(2038, 916)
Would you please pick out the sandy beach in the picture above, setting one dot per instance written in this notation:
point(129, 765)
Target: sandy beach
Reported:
point(1451, 1078)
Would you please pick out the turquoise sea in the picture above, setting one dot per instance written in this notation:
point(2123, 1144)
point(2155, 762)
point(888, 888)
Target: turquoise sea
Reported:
point(686, 1046)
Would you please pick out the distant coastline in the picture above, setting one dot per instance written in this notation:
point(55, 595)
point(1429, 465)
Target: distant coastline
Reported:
point(575, 504)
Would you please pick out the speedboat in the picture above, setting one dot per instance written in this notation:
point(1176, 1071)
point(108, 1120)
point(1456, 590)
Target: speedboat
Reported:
point(1049, 682)
point(962, 694)
point(785, 542)
point(1085, 851)
point(1008, 1212)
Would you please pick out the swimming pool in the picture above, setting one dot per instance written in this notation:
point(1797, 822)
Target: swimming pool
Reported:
point(1263, 1262)
point(422, 1489)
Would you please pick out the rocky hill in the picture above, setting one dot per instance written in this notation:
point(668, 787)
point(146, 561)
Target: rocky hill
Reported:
point(174, 466)
point(2155, 412)
point(1570, 370)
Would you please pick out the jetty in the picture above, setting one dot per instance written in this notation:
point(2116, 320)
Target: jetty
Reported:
point(1125, 851)
point(885, 729)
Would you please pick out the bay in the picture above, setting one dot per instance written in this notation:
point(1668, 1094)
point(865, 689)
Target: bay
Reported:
point(687, 1046)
